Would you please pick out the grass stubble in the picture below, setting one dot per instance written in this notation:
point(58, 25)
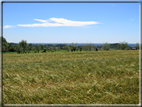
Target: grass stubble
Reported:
point(103, 77)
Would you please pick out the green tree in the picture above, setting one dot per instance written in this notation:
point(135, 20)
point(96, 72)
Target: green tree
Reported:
point(44, 50)
point(18, 49)
point(28, 49)
point(5, 48)
point(23, 45)
point(38, 48)
point(85, 47)
point(3, 40)
point(122, 45)
point(106, 46)
point(41, 46)
point(34, 49)
point(4, 44)
point(73, 47)
point(11, 47)
point(30, 46)
point(54, 48)
point(66, 47)
point(88, 47)
point(46, 47)
point(137, 46)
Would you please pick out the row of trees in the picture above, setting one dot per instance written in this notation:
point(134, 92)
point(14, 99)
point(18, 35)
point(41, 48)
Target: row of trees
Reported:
point(119, 46)
point(23, 47)
point(106, 46)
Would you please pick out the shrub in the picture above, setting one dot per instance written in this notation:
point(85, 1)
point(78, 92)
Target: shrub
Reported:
point(122, 45)
point(106, 46)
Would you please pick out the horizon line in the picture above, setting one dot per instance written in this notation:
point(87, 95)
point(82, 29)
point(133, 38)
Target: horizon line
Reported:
point(74, 43)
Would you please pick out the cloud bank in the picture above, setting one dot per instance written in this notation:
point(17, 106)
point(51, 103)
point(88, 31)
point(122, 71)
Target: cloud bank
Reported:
point(8, 26)
point(55, 22)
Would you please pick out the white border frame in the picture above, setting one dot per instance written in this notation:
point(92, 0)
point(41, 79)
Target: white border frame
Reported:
point(74, 1)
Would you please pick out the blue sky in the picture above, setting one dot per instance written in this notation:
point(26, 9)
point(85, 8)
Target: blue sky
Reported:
point(71, 22)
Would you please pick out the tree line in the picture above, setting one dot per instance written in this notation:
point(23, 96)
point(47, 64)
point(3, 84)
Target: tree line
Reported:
point(23, 47)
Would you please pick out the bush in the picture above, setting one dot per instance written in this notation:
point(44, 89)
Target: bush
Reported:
point(23, 44)
point(122, 45)
point(137, 46)
point(106, 46)
point(18, 49)
point(88, 47)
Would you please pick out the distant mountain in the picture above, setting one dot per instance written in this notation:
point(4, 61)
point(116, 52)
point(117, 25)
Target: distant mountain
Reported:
point(132, 44)
point(14, 43)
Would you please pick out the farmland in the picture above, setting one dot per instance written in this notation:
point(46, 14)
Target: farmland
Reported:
point(87, 77)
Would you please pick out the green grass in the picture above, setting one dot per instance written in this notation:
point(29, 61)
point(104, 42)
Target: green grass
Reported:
point(9, 52)
point(103, 77)
point(48, 51)
point(36, 52)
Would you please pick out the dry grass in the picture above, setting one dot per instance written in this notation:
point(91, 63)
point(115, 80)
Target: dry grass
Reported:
point(103, 77)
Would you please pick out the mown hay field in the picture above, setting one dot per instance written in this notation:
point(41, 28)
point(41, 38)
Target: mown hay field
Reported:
point(95, 77)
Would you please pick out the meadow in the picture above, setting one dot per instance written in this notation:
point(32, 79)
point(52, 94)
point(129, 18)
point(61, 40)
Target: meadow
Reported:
point(93, 77)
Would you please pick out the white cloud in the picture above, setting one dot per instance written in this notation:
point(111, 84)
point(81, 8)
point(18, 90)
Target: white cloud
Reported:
point(40, 20)
point(132, 19)
point(58, 22)
point(8, 26)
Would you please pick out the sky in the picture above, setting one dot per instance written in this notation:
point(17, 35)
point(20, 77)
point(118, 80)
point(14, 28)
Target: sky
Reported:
point(71, 22)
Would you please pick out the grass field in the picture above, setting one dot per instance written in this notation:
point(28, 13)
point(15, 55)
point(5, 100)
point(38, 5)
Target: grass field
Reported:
point(34, 51)
point(103, 77)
